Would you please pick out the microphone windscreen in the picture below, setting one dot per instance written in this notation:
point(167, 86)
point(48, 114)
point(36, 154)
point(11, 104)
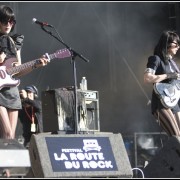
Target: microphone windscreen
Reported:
point(34, 20)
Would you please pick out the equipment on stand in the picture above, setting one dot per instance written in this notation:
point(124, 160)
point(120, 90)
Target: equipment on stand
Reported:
point(58, 111)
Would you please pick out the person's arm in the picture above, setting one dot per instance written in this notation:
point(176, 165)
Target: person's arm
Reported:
point(34, 103)
point(28, 70)
point(2, 57)
point(150, 73)
point(42, 62)
point(26, 100)
point(150, 77)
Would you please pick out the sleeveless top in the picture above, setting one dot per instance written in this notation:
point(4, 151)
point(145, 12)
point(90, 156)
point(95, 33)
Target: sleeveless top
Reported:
point(9, 96)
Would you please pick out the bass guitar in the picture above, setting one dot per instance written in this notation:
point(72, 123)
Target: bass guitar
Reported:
point(169, 93)
point(7, 71)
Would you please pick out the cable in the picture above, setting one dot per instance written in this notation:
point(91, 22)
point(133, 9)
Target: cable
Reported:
point(139, 170)
point(133, 74)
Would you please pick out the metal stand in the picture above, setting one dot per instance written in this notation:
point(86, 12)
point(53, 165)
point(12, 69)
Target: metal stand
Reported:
point(73, 56)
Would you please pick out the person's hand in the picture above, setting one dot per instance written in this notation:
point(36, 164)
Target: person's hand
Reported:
point(2, 57)
point(43, 61)
point(23, 94)
point(173, 75)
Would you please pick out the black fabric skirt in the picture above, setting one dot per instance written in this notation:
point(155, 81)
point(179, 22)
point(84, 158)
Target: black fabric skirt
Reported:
point(10, 98)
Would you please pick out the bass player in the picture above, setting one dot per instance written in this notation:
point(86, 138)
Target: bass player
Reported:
point(162, 68)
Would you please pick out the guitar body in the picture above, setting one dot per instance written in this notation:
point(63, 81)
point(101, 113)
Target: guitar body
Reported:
point(169, 94)
point(6, 80)
point(9, 62)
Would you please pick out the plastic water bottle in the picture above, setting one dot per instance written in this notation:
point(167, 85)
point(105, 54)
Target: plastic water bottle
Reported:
point(84, 83)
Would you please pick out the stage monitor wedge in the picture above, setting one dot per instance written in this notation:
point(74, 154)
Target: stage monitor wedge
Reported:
point(14, 157)
point(79, 156)
point(166, 163)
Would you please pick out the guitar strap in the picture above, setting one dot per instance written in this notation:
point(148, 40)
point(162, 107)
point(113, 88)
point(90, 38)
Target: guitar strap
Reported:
point(174, 65)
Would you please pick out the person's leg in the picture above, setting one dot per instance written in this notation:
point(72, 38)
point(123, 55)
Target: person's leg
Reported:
point(168, 121)
point(13, 117)
point(5, 126)
point(177, 116)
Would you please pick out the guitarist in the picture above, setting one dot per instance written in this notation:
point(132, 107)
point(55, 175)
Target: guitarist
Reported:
point(10, 47)
point(161, 67)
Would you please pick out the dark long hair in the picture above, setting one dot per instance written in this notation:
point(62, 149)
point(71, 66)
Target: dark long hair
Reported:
point(167, 37)
point(6, 14)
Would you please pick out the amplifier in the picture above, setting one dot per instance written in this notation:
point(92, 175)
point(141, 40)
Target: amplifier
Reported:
point(58, 110)
point(92, 110)
point(89, 94)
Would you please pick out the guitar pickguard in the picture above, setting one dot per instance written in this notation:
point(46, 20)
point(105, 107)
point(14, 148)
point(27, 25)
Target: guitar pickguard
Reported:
point(169, 94)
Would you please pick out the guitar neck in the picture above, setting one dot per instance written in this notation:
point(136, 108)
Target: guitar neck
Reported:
point(51, 56)
point(22, 67)
point(59, 54)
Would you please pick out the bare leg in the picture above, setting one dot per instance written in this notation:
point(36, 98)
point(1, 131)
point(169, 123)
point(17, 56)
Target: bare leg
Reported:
point(5, 126)
point(13, 117)
point(8, 122)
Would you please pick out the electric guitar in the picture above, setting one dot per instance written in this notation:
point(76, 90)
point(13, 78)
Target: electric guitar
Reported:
point(169, 93)
point(7, 71)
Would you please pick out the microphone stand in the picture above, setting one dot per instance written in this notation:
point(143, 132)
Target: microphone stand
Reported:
point(74, 54)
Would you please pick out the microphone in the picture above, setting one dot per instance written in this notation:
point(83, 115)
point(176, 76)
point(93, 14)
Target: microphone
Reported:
point(34, 20)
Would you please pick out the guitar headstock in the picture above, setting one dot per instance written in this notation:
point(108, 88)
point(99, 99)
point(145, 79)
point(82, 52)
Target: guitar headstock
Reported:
point(62, 53)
